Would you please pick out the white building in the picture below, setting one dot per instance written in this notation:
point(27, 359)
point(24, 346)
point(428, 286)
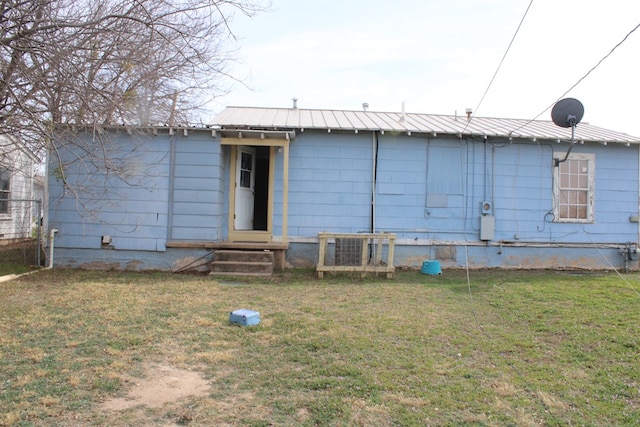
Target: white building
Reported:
point(18, 212)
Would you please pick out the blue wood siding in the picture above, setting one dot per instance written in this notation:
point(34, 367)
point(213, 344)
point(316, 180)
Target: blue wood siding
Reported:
point(198, 192)
point(428, 190)
point(524, 196)
point(401, 183)
point(520, 186)
point(329, 184)
point(616, 193)
point(130, 204)
point(433, 188)
point(144, 208)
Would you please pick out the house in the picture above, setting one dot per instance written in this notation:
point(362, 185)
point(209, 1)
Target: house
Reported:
point(477, 192)
point(18, 209)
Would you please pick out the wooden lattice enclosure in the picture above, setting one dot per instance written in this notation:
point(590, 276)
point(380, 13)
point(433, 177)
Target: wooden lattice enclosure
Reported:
point(362, 252)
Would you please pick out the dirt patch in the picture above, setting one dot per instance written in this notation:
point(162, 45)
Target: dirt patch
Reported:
point(161, 384)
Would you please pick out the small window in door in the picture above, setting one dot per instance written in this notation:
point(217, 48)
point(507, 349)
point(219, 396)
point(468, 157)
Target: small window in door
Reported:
point(246, 164)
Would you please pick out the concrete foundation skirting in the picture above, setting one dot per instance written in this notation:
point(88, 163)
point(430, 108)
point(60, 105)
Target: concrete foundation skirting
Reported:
point(305, 254)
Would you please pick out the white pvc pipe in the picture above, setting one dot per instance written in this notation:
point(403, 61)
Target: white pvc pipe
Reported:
point(51, 239)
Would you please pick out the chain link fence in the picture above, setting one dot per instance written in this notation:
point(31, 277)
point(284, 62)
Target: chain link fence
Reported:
point(20, 235)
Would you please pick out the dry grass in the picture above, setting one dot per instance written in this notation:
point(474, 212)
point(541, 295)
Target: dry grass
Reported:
point(510, 348)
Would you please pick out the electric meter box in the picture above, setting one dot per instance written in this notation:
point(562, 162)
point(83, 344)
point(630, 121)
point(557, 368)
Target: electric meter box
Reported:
point(487, 227)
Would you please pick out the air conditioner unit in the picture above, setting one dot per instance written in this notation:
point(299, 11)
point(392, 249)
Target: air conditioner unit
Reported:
point(348, 251)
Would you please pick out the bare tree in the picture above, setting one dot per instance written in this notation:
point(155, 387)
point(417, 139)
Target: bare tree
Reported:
point(109, 62)
point(93, 63)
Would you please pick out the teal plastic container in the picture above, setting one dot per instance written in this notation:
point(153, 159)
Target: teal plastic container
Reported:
point(431, 267)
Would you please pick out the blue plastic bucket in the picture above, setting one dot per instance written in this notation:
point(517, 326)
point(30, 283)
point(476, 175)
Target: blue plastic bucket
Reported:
point(431, 267)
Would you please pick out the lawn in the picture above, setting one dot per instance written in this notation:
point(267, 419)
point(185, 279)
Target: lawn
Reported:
point(492, 348)
point(11, 268)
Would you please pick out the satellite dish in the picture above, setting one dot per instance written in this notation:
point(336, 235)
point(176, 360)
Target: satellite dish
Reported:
point(567, 112)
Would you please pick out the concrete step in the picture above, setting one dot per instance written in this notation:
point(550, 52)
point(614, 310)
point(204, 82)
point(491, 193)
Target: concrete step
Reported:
point(238, 274)
point(229, 262)
point(243, 256)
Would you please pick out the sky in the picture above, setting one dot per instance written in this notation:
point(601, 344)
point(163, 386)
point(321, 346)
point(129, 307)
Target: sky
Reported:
point(439, 57)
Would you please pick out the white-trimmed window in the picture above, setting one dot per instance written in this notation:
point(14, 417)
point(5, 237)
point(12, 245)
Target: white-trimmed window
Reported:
point(5, 189)
point(573, 188)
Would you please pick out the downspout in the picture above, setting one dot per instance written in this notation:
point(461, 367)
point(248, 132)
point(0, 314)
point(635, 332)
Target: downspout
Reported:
point(51, 240)
point(172, 176)
point(374, 177)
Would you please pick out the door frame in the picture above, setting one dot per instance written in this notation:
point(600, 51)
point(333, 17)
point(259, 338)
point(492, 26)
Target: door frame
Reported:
point(258, 235)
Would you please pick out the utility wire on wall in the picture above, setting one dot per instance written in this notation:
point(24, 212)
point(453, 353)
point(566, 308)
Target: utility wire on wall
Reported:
point(580, 79)
point(500, 64)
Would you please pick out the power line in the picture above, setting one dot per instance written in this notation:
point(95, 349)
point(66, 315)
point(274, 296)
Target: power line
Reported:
point(501, 61)
point(581, 78)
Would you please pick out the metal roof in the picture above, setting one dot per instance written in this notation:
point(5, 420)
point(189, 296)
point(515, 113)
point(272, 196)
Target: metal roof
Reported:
point(255, 118)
